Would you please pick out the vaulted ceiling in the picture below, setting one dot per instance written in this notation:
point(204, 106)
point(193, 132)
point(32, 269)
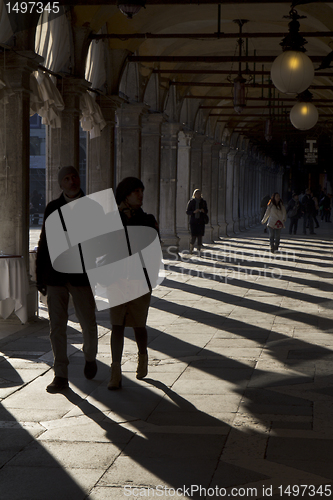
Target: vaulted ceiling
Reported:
point(194, 46)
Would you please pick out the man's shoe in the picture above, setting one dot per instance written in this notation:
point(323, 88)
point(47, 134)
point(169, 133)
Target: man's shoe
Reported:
point(57, 385)
point(90, 369)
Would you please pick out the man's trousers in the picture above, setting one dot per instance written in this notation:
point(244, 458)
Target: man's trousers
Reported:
point(84, 304)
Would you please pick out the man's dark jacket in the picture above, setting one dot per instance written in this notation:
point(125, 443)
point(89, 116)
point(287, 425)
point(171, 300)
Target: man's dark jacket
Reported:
point(46, 275)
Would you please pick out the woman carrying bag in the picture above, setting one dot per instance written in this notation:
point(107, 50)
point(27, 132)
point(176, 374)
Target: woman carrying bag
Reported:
point(197, 209)
point(276, 216)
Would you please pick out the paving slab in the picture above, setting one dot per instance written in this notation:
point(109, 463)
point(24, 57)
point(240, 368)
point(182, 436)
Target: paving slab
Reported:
point(239, 391)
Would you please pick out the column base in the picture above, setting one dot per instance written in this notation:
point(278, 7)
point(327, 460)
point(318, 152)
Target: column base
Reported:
point(208, 237)
point(215, 232)
point(184, 240)
point(222, 229)
point(230, 228)
point(236, 226)
point(170, 245)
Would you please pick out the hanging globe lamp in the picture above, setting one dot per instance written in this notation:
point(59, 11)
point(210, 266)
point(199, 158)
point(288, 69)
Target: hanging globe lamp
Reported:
point(292, 71)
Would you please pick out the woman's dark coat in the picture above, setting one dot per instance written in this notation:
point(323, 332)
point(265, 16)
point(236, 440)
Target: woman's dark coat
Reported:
point(197, 225)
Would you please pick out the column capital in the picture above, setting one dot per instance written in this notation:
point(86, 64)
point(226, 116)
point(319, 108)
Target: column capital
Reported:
point(109, 105)
point(70, 85)
point(232, 153)
point(169, 135)
point(185, 138)
point(18, 67)
point(171, 129)
point(207, 143)
point(109, 101)
point(151, 123)
point(129, 115)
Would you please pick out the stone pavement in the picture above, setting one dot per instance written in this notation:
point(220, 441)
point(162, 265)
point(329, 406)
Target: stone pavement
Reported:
point(238, 401)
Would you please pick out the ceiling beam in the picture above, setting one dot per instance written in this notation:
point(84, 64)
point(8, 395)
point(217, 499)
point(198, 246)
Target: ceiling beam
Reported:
point(223, 72)
point(256, 107)
point(230, 84)
point(263, 99)
point(128, 36)
point(260, 107)
point(211, 59)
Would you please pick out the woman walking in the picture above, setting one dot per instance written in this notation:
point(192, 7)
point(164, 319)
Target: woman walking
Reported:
point(276, 216)
point(129, 198)
point(197, 209)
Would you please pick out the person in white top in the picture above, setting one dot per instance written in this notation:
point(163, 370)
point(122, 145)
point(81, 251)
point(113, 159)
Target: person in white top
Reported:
point(275, 216)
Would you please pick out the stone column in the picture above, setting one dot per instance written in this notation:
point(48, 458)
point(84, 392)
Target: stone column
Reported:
point(168, 189)
point(279, 180)
point(251, 182)
point(222, 190)
point(236, 191)
point(15, 161)
point(257, 195)
point(129, 140)
point(242, 192)
point(206, 185)
point(150, 161)
point(63, 145)
point(101, 150)
point(215, 191)
point(14, 155)
point(196, 162)
point(246, 193)
point(253, 185)
point(183, 188)
point(230, 191)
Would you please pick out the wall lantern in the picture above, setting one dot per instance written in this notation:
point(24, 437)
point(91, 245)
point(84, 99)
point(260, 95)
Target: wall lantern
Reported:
point(239, 94)
point(268, 130)
point(304, 115)
point(130, 8)
point(292, 71)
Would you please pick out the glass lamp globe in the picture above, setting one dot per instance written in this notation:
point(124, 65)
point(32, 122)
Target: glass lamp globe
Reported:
point(304, 115)
point(130, 8)
point(292, 72)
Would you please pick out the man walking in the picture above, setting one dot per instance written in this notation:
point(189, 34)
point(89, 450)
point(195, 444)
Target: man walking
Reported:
point(58, 286)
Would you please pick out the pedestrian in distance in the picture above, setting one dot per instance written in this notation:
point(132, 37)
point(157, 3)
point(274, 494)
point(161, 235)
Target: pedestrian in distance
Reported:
point(59, 286)
point(294, 213)
point(197, 209)
point(129, 198)
point(325, 205)
point(275, 216)
point(316, 209)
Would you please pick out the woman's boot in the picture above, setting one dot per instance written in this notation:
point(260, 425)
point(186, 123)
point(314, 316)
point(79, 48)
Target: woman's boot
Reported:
point(191, 247)
point(142, 368)
point(115, 380)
